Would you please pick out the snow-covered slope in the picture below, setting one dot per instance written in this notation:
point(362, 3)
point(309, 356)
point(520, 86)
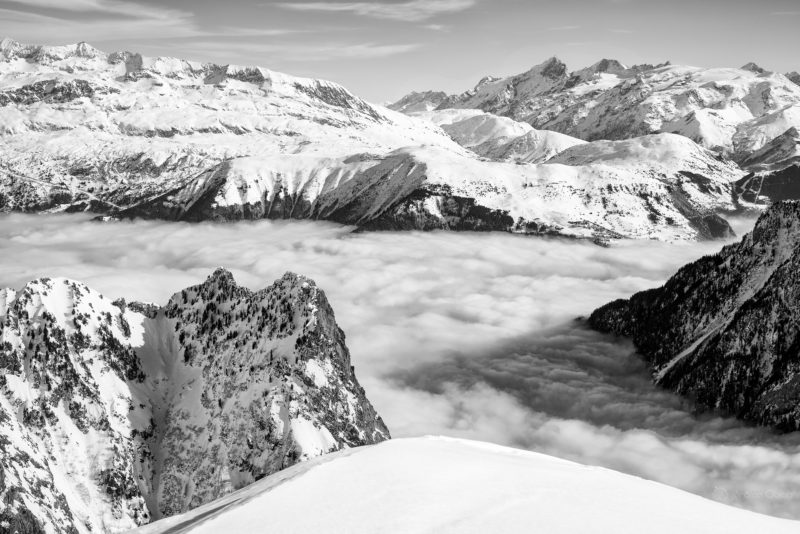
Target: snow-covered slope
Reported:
point(114, 413)
point(733, 111)
point(780, 152)
point(428, 188)
point(83, 128)
point(427, 485)
point(724, 330)
point(499, 138)
point(125, 135)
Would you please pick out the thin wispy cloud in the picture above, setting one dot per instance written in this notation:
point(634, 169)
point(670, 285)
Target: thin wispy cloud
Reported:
point(300, 52)
point(410, 11)
point(64, 25)
point(564, 28)
point(74, 9)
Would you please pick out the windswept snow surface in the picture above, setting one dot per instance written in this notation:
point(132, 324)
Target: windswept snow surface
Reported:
point(444, 485)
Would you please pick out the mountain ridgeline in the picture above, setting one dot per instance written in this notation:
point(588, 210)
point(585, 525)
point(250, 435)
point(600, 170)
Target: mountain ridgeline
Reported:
point(749, 114)
point(724, 329)
point(116, 414)
point(124, 135)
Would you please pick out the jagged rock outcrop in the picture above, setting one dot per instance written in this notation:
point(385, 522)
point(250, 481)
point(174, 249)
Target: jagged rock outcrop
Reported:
point(724, 330)
point(114, 414)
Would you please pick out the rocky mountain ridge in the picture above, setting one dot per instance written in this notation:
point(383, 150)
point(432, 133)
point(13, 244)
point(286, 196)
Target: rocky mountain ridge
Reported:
point(731, 111)
point(723, 330)
point(171, 407)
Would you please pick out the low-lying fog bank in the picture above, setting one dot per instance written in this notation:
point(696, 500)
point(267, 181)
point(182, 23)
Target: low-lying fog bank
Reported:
point(468, 335)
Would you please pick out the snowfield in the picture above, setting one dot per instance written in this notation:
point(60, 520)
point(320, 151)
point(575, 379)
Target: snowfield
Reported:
point(445, 485)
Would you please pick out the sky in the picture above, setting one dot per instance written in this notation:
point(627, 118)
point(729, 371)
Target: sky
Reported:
point(382, 50)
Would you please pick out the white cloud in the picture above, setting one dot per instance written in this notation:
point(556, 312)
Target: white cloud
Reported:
point(223, 52)
point(410, 11)
point(564, 28)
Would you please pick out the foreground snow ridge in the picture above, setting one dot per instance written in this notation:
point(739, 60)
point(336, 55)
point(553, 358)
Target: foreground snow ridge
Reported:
point(434, 484)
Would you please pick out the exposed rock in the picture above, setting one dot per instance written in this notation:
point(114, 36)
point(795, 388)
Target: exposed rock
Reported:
point(110, 417)
point(724, 329)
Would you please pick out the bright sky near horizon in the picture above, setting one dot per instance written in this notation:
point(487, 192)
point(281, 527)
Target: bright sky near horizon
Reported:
point(384, 49)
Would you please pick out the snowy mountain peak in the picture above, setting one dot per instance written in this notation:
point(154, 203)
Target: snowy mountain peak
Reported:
point(794, 76)
point(609, 65)
point(551, 67)
point(754, 67)
point(12, 49)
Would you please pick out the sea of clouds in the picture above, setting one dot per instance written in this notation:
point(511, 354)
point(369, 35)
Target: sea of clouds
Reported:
point(461, 334)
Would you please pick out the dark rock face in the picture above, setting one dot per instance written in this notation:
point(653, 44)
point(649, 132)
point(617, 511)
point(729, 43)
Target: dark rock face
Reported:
point(724, 329)
point(257, 401)
point(339, 97)
point(112, 414)
point(53, 91)
point(452, 213)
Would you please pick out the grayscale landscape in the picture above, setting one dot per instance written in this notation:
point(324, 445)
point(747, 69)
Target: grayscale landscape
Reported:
point(234, 299)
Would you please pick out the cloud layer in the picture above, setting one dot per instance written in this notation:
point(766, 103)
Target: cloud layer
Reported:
point(470, 335)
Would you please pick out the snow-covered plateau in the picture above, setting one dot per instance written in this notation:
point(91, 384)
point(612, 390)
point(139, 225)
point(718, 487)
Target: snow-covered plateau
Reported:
point(130, 136)
point(442, 485)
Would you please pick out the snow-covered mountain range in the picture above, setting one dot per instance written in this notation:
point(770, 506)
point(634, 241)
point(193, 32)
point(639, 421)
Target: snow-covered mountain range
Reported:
point(425, 485)
point(113, 414)
point(126, 135)
point(724, 329)
point(731, 111)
